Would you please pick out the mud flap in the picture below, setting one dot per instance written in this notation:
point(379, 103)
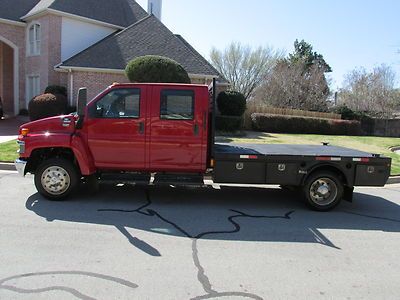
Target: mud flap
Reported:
point(348, 193)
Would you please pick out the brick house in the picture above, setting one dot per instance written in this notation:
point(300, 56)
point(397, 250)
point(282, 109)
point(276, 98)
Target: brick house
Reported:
point(77, 43)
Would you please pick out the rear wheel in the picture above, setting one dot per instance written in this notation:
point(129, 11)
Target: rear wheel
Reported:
point(323, 191)
point(56, 178)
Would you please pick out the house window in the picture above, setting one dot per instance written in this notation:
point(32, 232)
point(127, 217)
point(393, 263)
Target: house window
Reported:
point(32, 86)
point(34, 39)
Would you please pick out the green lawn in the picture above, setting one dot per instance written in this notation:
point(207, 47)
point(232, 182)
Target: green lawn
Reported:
point(369, 144)
point(379, 145)
point(8, 151)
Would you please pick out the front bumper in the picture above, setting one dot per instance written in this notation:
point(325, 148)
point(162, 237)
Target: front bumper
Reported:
point(20, 166)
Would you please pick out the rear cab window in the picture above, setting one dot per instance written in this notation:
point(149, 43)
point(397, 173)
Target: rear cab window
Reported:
point(177, 105)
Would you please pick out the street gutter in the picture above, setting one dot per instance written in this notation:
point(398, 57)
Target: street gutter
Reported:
point(7, 166)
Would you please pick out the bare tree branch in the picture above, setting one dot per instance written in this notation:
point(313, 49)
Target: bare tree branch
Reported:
point(290, 86)
point(244, 67)
point(373, 92)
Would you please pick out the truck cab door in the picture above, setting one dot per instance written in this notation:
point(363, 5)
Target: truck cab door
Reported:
point(116, 129)
point(177, 130)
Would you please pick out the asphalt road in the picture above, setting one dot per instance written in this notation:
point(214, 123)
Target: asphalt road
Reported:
point(209, 243)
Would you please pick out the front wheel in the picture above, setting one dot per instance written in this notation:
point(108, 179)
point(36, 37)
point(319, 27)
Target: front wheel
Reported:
point(323, 191)
point(56, 178)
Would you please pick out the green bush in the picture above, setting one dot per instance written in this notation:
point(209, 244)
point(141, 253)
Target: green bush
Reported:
point(228, 123)
point(304, 125)
point(56, 89)
point(47, 105)
point(153, 68)
point(349, 114)
point(345, 112)
point(231, 103)
point(367, 122)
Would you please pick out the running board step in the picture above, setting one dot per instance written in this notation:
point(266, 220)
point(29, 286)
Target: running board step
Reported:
point(125, 178)
point(178, 179)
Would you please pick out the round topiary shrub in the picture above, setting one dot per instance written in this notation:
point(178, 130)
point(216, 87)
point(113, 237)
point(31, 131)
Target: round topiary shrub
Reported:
point(231, 103)
point(47, 105)
point(56, 89)
point(153, 68)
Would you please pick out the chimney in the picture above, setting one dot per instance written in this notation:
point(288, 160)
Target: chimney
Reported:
point(155, 8)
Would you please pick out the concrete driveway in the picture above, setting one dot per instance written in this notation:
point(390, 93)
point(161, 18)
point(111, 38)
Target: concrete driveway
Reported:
point(170, 243)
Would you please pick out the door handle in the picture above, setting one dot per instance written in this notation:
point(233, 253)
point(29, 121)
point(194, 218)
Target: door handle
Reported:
point(141, 127)
point(196, 129)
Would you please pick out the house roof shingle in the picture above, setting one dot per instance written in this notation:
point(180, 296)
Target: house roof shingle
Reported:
point(14, 9)
point(117, 12)
point(146, 37)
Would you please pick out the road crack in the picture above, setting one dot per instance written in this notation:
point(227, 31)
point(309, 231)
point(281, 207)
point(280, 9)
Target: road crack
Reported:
point(201, 275)
point(66, 289)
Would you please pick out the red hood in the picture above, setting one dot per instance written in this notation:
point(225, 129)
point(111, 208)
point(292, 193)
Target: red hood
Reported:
point(50, 125)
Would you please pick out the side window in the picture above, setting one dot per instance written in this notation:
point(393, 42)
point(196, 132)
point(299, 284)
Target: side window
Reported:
point(117, 104)
point(177, 105)
point(34, 39)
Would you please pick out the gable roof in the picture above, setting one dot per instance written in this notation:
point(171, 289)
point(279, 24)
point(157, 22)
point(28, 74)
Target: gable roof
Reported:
point(14, 9)
point(117, 12)
point(146, 37)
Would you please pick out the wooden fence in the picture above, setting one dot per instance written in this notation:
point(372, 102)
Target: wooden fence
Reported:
point(257, 108)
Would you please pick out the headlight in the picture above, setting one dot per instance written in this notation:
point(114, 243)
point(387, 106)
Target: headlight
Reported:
point(21, 149)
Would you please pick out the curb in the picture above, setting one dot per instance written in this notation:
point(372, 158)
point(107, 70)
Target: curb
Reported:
point(11, 167)
point(393, 180)
point(7, 166)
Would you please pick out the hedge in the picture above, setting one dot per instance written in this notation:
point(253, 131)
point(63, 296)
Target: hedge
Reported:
point(295, 124)
point(47, 105)
point(228, 123)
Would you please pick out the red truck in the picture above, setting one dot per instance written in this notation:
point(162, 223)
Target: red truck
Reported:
point(164, 134)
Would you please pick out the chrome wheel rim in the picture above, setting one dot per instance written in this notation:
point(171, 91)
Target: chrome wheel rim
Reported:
point(55, 180)
point(323, 191)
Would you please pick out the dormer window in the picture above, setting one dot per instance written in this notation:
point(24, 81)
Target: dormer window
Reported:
point(34, 39)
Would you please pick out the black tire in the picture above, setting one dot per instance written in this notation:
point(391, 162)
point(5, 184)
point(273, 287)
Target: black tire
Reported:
point(323, 190)
point(61, 180)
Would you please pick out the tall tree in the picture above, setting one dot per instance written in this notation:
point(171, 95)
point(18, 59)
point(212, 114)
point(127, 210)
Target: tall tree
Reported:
point(297, 81)
point(244, 67)
point(303, 51)
point(288, 86)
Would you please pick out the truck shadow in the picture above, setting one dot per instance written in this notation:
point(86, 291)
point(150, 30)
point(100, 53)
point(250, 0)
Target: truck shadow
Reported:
point(230, 213)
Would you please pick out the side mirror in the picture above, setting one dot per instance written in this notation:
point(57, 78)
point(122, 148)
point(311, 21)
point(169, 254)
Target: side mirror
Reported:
point(82, 101)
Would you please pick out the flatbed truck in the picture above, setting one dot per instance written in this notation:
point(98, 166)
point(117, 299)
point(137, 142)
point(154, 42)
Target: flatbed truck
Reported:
point(165, 134)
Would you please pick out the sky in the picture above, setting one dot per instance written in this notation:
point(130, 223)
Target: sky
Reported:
point(349, 34)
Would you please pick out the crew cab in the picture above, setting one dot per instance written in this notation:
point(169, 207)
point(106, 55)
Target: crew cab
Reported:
point(165, 134)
